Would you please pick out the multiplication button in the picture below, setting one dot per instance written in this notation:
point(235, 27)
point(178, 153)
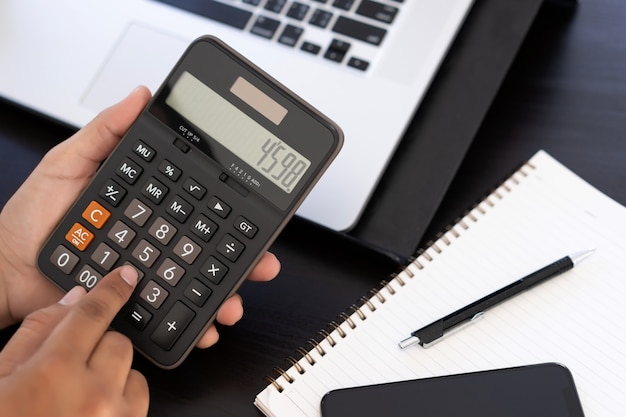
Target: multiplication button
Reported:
point(172, 326)
point(214, 270)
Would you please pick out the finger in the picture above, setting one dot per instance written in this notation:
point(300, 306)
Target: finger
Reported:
point(210, 337)
point(96, 140)
point(267, 268)
point(34, 330)
point(89, 318)
point(231, 311)
point(112, 358)
point(137, 394)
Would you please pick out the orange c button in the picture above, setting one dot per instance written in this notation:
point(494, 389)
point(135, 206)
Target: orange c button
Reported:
point(96, 215)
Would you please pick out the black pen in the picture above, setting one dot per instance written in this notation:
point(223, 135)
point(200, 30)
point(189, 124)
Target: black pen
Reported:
point(433, 332)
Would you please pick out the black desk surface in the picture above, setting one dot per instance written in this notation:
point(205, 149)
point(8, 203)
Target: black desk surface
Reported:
point(566, 93)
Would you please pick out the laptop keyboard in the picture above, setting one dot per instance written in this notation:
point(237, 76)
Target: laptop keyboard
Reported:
point(347, 32)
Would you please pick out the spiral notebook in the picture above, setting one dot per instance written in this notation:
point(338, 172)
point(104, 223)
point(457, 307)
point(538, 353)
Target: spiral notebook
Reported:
point(541, 213)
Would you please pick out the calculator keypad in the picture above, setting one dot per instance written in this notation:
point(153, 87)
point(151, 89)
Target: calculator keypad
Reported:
point(169, 226)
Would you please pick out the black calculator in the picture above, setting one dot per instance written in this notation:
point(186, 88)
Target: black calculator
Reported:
point(195, 193)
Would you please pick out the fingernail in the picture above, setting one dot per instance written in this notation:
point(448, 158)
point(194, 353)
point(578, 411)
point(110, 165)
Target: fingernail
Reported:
point(73, 295)
point(129, 274)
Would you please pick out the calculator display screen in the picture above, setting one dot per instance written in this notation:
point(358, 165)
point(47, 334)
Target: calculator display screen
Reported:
point(266, 153)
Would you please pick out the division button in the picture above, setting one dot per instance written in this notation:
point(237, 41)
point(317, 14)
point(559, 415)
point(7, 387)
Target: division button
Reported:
point(214, 270)
point(230, 247)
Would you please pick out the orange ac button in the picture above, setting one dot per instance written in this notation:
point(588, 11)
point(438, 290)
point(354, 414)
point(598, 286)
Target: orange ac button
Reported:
point(79, 236)
point(96, 214)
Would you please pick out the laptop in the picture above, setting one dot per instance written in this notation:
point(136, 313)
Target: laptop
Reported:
point(364, 63)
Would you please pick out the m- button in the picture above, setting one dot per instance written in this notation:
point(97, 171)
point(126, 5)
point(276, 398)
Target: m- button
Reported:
point(96, 215)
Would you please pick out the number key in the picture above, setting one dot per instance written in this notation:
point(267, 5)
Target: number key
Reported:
point(64, 259)
point(154, 294)
point(121, 234)
point(187, 249)
point(146, 253)
point(88, 277)
point(170, 271)
point(105, 256)
point(162, 230)
point(138, 212)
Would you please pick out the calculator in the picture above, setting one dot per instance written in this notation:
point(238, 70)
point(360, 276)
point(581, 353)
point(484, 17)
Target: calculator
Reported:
point(194, 194)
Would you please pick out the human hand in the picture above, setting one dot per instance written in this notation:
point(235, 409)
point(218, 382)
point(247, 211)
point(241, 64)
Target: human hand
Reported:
point(31, 214)
point(64, 362)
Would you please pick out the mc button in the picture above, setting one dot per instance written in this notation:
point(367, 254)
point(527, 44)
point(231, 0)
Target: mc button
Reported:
point(129, 171)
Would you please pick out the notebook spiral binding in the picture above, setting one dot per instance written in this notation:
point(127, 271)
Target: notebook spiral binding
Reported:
point(368, 303)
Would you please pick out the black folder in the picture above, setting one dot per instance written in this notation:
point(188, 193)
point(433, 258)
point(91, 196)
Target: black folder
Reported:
point(421, 170)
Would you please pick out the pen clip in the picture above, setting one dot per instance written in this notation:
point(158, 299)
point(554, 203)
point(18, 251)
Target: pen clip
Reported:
point(455, 329)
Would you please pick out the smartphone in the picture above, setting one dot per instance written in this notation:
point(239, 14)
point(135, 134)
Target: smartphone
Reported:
point(195, 193)
point(542, 390)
